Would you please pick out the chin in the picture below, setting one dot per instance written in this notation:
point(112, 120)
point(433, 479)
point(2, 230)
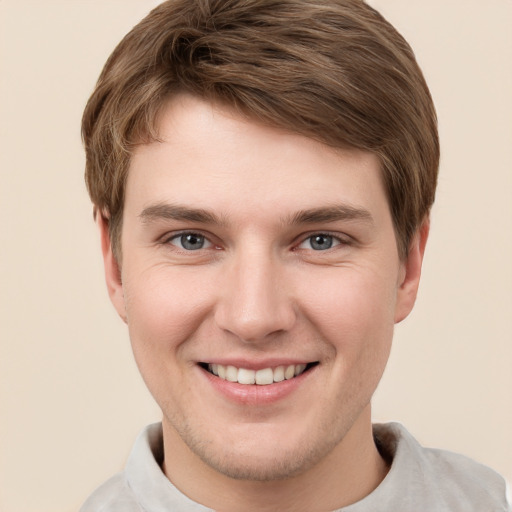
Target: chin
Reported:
point(264, 456)
point(262, 467)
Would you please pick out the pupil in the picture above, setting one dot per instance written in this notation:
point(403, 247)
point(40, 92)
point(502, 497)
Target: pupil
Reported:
point(321, 242)
point(192, 242)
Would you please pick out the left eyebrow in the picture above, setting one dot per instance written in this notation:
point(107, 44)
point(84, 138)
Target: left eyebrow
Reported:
point(331, 214)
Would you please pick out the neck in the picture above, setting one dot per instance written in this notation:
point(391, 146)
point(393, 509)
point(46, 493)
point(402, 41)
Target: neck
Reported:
point(351, 471)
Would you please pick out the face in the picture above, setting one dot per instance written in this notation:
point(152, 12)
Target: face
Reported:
point(260, 282)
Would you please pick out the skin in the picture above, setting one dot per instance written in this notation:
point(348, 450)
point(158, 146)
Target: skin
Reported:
point(258, 292)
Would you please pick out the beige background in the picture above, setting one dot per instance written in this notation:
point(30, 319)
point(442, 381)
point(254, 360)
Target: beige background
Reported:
point(71, 398)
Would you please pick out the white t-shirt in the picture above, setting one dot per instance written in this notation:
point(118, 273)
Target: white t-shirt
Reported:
point(419, 480)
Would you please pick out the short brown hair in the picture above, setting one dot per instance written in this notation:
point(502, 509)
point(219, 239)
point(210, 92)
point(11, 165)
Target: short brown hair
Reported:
point(333, 70)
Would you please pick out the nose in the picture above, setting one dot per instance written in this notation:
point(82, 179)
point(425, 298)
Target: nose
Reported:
point(255, 303)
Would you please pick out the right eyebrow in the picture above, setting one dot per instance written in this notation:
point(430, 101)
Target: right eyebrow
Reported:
point(167, 211)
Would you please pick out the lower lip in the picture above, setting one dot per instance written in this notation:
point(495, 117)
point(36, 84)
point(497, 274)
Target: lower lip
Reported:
point(254, 394)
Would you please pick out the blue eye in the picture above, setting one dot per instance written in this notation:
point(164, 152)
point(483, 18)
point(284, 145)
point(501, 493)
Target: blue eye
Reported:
point(319, 242)
point(190, 241)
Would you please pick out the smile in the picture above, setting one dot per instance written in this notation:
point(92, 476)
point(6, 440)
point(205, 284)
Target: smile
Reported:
point(262, 377)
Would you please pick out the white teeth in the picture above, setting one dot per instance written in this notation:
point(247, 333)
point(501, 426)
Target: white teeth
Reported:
point(299, 368)
point(279, 374)
point(246, 376)
point(289, 372)
point(265, 376)
point(261, 377)
point(231, 374)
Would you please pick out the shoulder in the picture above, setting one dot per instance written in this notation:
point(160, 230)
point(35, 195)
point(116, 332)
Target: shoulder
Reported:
point(438, 479)
point(141, 486)
point(118, 494)
point(464, 481)
point(114, 495)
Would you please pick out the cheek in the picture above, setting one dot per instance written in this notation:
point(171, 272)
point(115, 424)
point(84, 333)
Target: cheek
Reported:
point(353, 312)
point(164, 308)
point(351, 307)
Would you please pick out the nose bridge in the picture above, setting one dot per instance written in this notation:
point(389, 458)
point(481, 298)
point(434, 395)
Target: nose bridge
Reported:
point(255, 299)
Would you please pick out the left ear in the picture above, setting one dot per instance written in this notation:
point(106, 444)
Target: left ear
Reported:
point(410, 272)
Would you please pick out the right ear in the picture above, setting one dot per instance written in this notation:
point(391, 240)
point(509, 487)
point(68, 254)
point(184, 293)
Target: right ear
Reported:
point(112, 270)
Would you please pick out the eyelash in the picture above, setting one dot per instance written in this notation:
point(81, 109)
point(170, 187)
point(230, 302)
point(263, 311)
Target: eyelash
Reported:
point(336, 238)
point(176, 236)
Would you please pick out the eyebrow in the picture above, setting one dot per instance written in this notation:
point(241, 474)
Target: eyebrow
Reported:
point(334, 213)
point(166, 211)
point(331, 214)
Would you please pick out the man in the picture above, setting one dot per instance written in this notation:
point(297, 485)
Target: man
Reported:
point(262, 174)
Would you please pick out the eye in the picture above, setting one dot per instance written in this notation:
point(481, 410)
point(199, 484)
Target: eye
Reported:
point(190, 241)
point(319, 242)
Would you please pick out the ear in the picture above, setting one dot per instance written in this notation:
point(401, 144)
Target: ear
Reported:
point(410, 273)
point(112, 270)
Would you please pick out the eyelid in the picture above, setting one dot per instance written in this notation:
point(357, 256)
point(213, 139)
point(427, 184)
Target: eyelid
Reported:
point(340, 238)
point(169, 237)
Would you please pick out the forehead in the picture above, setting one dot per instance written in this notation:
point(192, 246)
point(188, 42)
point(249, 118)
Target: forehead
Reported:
point(210, 156)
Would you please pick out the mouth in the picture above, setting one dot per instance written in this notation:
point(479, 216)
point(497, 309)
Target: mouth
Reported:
point(262, 377)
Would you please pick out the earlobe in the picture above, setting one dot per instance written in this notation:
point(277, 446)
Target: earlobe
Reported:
point(411, 273)
point(112, 269)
